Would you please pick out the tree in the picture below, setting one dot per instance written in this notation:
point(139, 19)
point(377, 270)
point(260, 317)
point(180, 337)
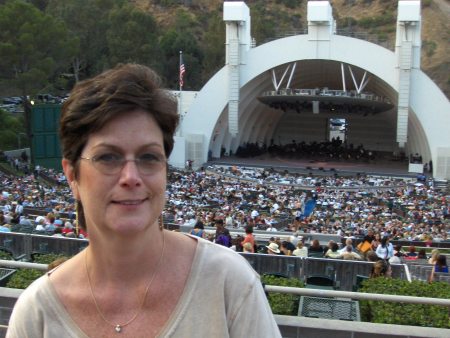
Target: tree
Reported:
point(35, 49)
point(133, 37)
point(214, 47)
point(263, 27)
point(11, 129)
point(87, 22)
point(40, 4)
point(182, 38)
point(30, 61)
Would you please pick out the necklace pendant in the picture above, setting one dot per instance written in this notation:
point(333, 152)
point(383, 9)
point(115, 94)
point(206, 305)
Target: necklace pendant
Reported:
point(118, 328)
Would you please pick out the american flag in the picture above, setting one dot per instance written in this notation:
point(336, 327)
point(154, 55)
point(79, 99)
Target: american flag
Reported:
point(182, 70)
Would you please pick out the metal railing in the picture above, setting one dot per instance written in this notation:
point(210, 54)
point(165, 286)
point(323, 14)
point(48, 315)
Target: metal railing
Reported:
point(327, 92)
point(373, 38)
point(23, 265)
point(305, 327)
point(358, 295)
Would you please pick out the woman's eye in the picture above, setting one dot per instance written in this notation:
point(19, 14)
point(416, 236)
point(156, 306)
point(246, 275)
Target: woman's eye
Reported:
point(150, 158)
point(107, 158)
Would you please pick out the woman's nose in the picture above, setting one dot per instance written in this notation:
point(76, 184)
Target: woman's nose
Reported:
point(130, 173)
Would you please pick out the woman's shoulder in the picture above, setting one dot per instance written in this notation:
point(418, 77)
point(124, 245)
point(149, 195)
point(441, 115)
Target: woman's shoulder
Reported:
point(218, 261)
point(29, 308)
point(215, 251)
point(39, 285)
point(218, 258)
point(37, 293)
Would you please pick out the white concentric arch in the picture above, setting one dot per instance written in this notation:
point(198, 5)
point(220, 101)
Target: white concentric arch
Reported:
point(317, 62)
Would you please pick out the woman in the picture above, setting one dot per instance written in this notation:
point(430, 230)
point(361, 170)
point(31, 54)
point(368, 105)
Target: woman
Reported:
point(376, 241)
point(381, 268)
point(249, 238)
point(350, 254)
point(273, 249)
point(222, 236)
point(315, 248)
point(199, 230)
point(385, 250)
point(333, 251)
point(287, 248)
point(422, 254)
point(301, 251)
point(411, 254)
point(434, 255)
point(439, 266)
point(116, 134)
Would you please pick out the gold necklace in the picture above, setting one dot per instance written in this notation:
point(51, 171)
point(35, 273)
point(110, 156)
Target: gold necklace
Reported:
point(118, 327)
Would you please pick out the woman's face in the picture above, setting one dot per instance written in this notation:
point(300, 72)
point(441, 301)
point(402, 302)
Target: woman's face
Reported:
point(128, 202)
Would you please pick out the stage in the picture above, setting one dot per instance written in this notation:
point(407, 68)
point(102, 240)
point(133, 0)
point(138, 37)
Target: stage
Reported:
point(383, 166)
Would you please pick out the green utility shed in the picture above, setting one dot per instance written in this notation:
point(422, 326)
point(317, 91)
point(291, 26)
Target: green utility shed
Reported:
point(46, 150)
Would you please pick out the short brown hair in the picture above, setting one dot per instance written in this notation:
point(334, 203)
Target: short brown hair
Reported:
point(125, 88)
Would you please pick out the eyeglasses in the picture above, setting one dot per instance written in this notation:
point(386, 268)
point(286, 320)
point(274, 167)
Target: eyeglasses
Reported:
point(112, 164)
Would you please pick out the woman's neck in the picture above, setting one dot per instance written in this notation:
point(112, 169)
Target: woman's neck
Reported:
point(115, 258)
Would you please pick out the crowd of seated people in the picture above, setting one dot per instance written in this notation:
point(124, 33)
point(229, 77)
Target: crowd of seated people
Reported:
point(22, 193)
point(250, 198)
point(272, 176)
point(327, 150)
point(205, 198)
point(380, 268)
point(397, 209)
point(412, 212)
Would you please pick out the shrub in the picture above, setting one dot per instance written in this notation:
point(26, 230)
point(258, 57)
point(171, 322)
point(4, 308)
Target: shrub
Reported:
point(382, 36)
point(394, 313)
point(169, 3)
point(23, 277)
point(46, 258)
point(429, 47)
point(289, 3)
point(376, 21)
point(347, 21)
point(5, 255)
point(283, 304)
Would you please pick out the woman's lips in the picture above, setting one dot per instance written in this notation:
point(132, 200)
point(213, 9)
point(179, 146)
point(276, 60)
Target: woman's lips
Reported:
point(130, 202)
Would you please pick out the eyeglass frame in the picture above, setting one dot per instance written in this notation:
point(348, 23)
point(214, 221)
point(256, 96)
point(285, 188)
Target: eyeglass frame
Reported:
point(96, 163)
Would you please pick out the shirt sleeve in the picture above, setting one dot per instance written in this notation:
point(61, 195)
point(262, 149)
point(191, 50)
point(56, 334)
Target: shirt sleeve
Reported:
point(253, 316)
point(26, 318)
point(378, 251)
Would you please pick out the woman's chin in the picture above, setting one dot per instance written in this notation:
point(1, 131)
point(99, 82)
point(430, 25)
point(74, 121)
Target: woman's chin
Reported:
point(130, 227)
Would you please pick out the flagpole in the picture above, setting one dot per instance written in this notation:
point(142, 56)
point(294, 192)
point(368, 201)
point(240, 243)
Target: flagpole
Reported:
point(180, 82)
point(180, 71)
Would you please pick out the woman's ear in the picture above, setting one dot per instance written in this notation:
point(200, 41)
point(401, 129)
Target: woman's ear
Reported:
point(69, 172)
